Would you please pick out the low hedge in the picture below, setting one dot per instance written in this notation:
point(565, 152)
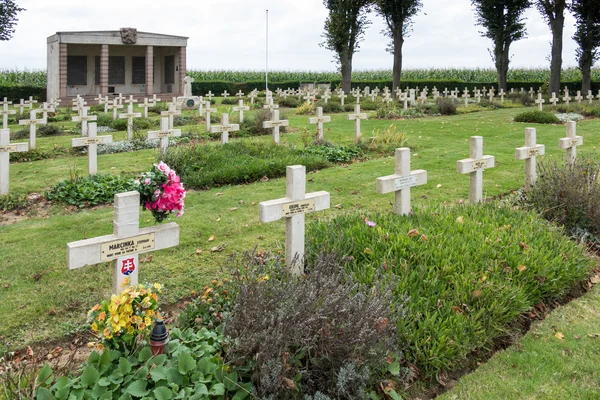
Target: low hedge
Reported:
point(16, 93)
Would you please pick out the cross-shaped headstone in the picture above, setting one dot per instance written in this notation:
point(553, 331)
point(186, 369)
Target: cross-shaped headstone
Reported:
point(402, 181)
point(45, 109)
point(210, 95)
point(240, 94)
point(154, 100)
point(554, 99)
point(115, 106)
point(590, 97)
point(319, 120)
point(125, 244)
point(478, 95)
point(579, 97)
point(491, 95)
point(79, 104)
point(531, 92)
point(252, 96)
point(270, 106)
point(404, 99)
point(466, 96)
point(309, 98)
point(445, 92)
point(387, 98)
point(164, 134)
point(84, 118)
point(475, 166)
point(5, 149)
point(171, 113)
point(145, 106)
point(208, 110)
point(29, 103)
point(32, 122)
point(21, 106)
point(100, 99)
point(571, 142)
point(293, 208)
point(91, 142)
point(225, 94)
point(130, 100)
point(567, 98)
point(130, 115)
point(241, 108)
point(529, 154)
point(6, 112)
point(275, 124)
point(342, 97)
point(120, 98)
point(225, 128)
point(502, 94)
point(326, 97)
point(357, 96)
point(356, 117)
point(540, 102)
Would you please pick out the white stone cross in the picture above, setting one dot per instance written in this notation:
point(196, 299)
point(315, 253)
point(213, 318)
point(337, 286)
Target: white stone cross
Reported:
point(6, 112)
point(445, 92)
point(32, 122)
point(130, 100)
point(100, 99)
point(478, 95)
point(326, 97)
point(225, 128)
point(309, 98)
point(84, 118)
point(130, 115)
point(210, 95)
point(275, 124)
point(79, 104)
point(125, 244)
point(553, 99)
point(171, 113)
point(29, 103)
point(466, 96)
point(387, 98)
point(120, 98)
point(571, 142)
point(225, 94)
point(491, 95)
point(5, 149)
point(567, 98)
point(404, 99)
point(529, 154)
point(91, 142)
point(475, 166)
point(579, 97)
point(502, 94)
point(21, 106)
point(357, 96)
point(145, 106)
point(241, 108)
point(540, 102)
point(240, 94)
point(115, 106)
point(319, 120)
point(590, 97)
point(208, 110)
point(402, 181)
point(154, 100)
point(252, 96)
point(45, 109)
point(342, 96)
point(356, 117)
point(293, 208)
point(531, 92)
point(270, 106)
point(164, 134)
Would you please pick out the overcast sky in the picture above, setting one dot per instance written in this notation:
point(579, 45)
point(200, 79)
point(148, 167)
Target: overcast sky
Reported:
point(230, 34)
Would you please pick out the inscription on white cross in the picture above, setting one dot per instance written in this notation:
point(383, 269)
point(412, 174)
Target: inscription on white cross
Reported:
point(6, 112)
point(32, 122)
point(402, 181)
point(225, 128)
point(293, 208)
point(92, 142)
point(475, 166)
point(84, 118)
point(571, 142)
point(275, 124)
point(356, 117)
point(319, 120)
point(164, 134)
point(5, 149)
point(130, 115)
point(240, 109)
point(529, 154)
point(125, 244)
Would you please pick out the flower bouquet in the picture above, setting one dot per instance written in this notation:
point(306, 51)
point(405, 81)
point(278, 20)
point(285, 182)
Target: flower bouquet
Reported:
point(161, 192)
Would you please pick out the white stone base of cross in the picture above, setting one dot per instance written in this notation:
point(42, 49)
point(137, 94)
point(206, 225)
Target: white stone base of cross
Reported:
point(91, 142)
point(293, 208)
point(356, 117)
point(125, 244)
point(5, 149)
point(164, 134)
point(224, 128)
point(275, 124)
point(529, 154)
point(319, 120)
point(571, 142)
point(32, 122)
point(401, 182)
point(475, 166)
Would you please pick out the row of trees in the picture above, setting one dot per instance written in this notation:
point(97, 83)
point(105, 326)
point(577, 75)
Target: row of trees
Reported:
point(502, 22)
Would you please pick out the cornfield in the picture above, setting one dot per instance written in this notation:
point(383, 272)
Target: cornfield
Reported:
point(38, 77)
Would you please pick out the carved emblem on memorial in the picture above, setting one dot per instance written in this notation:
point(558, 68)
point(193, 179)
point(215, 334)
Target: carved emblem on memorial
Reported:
point(129, 35)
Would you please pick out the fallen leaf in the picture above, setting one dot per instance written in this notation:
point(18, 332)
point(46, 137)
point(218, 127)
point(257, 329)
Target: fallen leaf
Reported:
point(219, 194)
point(241, 202)
point(439, 185)
point(233, 209)
point(367, 251)
point(218, 220)
point(289, 383)
point(476, 293)
point(593, 335)
point(524, 245)
point(424, 238)
point(146, 259)
point(198, 251)
point(413, 233)
point(264, 179)
point(559, 335)
point(460, 220)
point(595, 279)
point(338, 206)
point(217, 249)
point(522, 268)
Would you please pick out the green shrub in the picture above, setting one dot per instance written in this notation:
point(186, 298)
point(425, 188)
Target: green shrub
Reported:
point(20, 134)
point(40, 154)
point(158, 108)
point(389, 112)
point(104, 120)
point(231, 101)
point(386, 141)
point(139, 124)
point(253, 125)
point(288, 102)
point(331, 107)
point(202, 166)
point(523, 98)
point(306, 108)
point(89, 191)
point(446, 106)
point(13, 201)
point(335, 154)
point(209, 308)
point(537, 117)
point(49, 130)
point(186, 120)
point(471, 272)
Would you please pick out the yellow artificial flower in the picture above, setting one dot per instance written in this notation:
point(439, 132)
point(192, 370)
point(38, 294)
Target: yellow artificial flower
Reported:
point(263, 278)
point(146, 302)
point(95, 327)
point(102, 316)
point(158, 286)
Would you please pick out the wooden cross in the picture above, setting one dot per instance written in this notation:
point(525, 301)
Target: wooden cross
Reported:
point(114, 107)
point(225, 94)
point(210, 95)
point(171, 113)
point(540, 102)
point(342, 96)
point(125, 244)
point(475, 166)
point(319, 120)
point(6, 112)
point(293, 208)
point(402, 181)
point(5, 149)
point(553, 99)
point(29, 103)
point(241, 108)
point(224, 128)
point(130, 100)
point(466, 96)
point(91, 142)
point(571, 142)
point(208, 110)
point(164, 134)
point(356, 117)
point(529, 154)
point(579, 97)
point(240, 94)
point(32, 122)
point(130, 115)
point(275, 124)
point(567, 99)
point(84, 118)
point(590, 97)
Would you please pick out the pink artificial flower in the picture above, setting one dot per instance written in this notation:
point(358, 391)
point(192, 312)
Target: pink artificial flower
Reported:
point(370, 223)
point(164, 167)
point(147, 181)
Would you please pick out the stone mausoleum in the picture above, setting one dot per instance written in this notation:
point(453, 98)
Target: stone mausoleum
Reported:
point(112, 62)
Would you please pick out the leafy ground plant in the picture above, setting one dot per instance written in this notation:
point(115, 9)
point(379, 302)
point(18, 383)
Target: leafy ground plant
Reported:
point(537, 117)
point(89, 191)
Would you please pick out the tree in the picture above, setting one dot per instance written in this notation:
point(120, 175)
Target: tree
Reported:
point(553, 12)
point(398, 16)
point(503, 23)
point(344, 29)
point(8, 18)
point(587, 36)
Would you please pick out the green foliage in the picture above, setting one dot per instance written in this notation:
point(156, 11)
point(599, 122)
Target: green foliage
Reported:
point(446, 106)
point(202, 166)
point(49, 130)
point(335, 154)
point(537, 117)
point(8, 18)
point(288, 102)
point(253, 124)
point(193, 370)
point(330, 107)
point(386, 141)
point(13, 201)
point(306, 108)
point(209, 308)
point(40, 154)
point(587, 35)
point(139, 124)
point(523, 98)
point(502, 21)
point(230, 101)
point(158, 108)
point(471, 272)
point(89, 191)
point(15, 93)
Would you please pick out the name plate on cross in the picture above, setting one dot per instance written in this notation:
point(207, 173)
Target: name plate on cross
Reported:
point(11, 148)
point(124, 247)
point(96, 140)
point(300, 207)
point(533, 153)
point(222, 128)
point(479, 164)
point(406, 182)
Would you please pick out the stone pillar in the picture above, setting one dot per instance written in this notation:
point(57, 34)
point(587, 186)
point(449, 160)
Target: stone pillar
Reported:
point(62, 62)
point(149, 70)
point(104, 70)
point(182, 68)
